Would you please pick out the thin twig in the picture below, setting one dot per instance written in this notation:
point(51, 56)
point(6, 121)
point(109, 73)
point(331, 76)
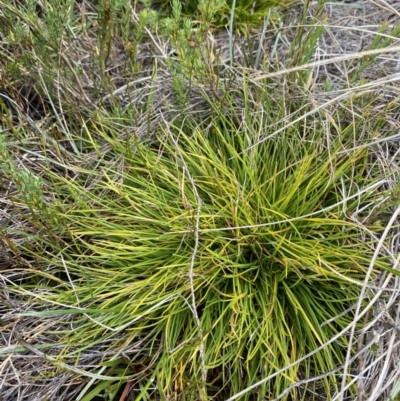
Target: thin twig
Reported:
point(193, 259)
point(362, 295)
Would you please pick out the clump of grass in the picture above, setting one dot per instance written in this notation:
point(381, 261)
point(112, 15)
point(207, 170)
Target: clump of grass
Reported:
point(220, 251)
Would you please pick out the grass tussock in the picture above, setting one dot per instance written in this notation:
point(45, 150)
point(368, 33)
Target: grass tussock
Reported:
point(189, 215)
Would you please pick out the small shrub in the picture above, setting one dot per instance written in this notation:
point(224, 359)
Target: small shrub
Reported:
point(247, 14)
